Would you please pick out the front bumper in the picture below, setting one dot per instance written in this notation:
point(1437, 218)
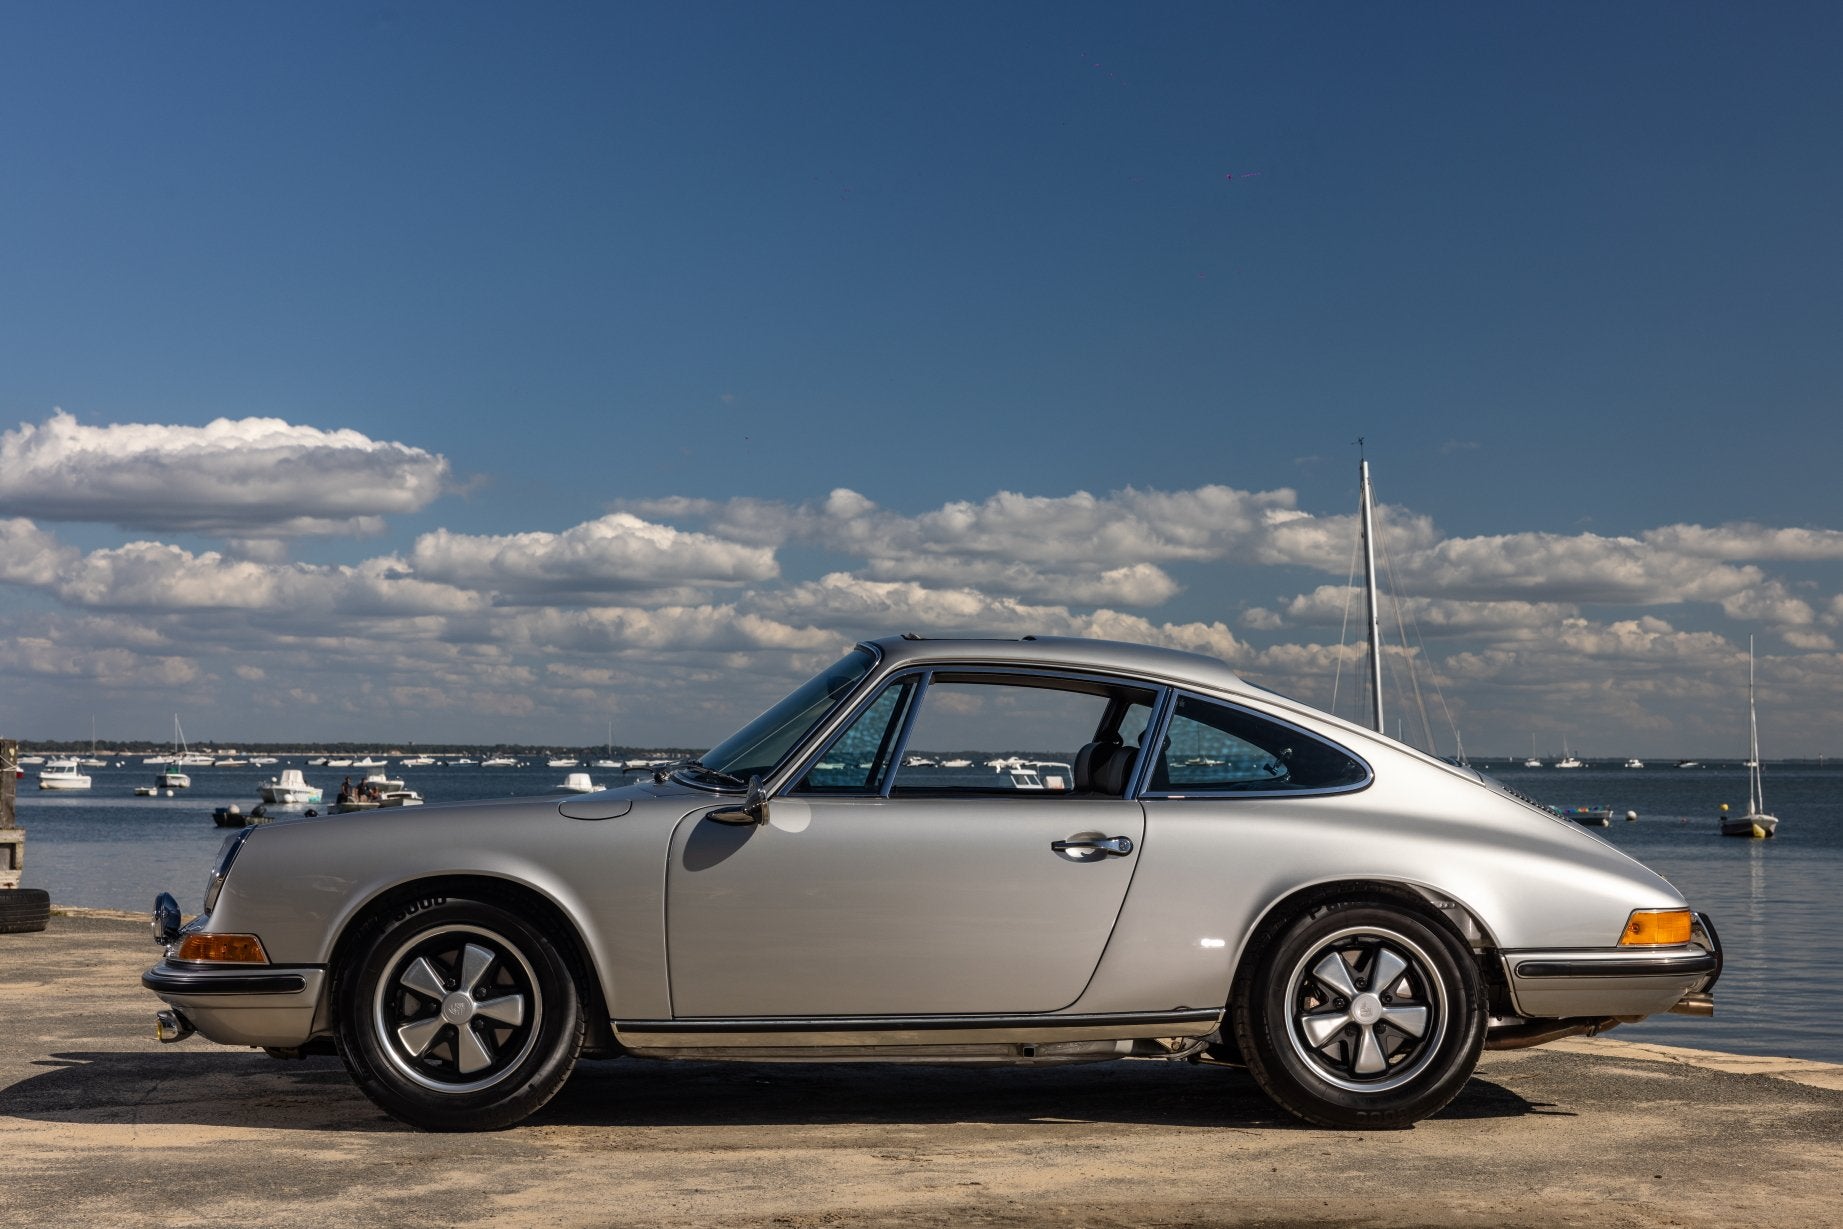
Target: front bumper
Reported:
point(1613, 981)
point(242, 1005)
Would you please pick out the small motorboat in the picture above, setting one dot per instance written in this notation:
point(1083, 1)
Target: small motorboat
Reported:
point(62, 775)
point(1592, 817)
point(375, 802)
point(578, 783)
point(290, 789)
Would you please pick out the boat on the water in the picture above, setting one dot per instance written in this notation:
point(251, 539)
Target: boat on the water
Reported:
point(578, 783)
point(62, 775)
point(366, 802)
point(499, 761)
point(1589, 816)
point(1757, 823)
point(290, 789)
point(1635, 762)
point(1567, 759)
point(174, 775)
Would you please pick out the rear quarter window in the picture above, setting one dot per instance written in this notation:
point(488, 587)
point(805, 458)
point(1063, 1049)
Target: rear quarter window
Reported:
point(1213, 748)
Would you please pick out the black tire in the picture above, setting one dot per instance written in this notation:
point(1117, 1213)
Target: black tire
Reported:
point(23, 910)
point(1330, 1046)
point(458, 1015)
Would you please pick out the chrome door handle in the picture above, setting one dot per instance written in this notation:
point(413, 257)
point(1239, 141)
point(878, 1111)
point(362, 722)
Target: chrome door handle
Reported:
point(1119, 846)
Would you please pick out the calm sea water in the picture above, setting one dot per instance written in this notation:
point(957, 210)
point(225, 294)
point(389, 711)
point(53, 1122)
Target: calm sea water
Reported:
point(1771, 900)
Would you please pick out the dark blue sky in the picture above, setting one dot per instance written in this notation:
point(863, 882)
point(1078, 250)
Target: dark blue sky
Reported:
point(1567, 266)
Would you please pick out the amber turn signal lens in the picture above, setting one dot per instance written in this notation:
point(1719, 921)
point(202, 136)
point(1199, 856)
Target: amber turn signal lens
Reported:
point(223, 949)
point(1655, 927)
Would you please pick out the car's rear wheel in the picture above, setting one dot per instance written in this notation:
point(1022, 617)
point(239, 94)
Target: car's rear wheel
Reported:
point(459, 1015)
point(1361, 1014)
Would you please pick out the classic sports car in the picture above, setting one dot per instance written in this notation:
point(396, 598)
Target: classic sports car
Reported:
point(1185, 864)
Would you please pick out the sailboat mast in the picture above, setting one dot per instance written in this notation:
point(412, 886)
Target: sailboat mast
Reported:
point(1756, 802)
point(1369, 590)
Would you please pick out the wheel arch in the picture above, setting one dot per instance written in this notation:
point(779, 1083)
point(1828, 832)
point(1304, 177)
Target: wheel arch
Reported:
point(1424, 901)
point(523, 898)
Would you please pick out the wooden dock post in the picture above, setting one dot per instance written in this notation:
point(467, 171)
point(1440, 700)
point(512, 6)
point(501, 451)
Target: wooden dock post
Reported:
point(12, 836)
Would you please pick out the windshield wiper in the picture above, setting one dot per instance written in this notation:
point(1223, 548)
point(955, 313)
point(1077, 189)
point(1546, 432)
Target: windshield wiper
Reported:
point(660, 776)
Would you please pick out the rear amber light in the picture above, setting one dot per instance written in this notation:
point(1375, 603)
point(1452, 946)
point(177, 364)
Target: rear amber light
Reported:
point(222, 949)
point(1655, 928)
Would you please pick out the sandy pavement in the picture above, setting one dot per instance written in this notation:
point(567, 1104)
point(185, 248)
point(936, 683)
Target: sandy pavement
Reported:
point(102, 1126)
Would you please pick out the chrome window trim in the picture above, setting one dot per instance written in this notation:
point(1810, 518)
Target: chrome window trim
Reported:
point(901, 747)
point(1154, 731)
point(1178, 693)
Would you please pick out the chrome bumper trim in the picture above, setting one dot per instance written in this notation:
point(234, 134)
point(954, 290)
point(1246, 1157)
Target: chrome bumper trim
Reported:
point(164, 980)
point(1672, 966)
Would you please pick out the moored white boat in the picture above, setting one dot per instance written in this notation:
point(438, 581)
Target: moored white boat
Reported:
point(578, 783)
point(174, 775)
point(62, 775)
point(1757, 823)
point(1634, 762)
point(290, 789)
point(391, 798)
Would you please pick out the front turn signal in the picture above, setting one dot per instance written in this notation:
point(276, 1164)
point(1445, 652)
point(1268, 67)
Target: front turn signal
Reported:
point(1656, 928)
point(222, 949)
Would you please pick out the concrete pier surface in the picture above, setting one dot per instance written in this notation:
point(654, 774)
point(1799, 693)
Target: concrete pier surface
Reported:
point(102, 1125)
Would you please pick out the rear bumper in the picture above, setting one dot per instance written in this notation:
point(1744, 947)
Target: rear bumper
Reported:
point(242, 1006)
point(1613, 981)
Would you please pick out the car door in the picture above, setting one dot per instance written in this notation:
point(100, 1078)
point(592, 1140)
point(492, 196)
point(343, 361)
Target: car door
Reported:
point(883, 883)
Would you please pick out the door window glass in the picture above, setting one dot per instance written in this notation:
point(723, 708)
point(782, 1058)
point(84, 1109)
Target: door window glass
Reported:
point(1213, 747)
point(1015, 736)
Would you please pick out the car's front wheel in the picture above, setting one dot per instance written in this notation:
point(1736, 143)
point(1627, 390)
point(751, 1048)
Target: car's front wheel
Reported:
point(458, 1015)
point(1361, 1014)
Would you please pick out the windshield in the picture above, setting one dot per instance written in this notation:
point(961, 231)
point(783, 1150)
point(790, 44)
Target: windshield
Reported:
point(754, 750)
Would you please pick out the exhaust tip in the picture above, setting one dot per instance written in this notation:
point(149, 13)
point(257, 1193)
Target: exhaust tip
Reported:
point(170, 1026)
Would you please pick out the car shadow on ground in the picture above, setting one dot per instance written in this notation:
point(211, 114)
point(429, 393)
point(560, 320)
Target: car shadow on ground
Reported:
point(202, 1088)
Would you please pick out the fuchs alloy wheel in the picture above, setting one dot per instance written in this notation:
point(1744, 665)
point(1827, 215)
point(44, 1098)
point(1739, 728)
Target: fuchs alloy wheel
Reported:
point(1362, 1014)
point(459, 1015)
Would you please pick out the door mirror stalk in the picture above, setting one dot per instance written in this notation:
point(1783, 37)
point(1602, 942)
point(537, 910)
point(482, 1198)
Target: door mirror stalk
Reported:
point(754, 808)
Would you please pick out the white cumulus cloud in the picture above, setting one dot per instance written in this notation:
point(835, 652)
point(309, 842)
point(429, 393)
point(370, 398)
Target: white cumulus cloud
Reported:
point(248, 478)
point(616, 553)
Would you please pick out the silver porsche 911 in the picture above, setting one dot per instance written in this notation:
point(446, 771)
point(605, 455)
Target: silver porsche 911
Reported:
point(1169, 862)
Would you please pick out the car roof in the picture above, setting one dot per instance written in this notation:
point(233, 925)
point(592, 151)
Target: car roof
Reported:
point(1068, 652)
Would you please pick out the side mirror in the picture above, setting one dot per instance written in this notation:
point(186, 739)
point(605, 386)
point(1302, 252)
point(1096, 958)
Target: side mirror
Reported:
point(754, 808)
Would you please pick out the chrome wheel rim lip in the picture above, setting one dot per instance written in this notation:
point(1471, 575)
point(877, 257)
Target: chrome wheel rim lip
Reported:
point(1418, 967)
point(386, 1020)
